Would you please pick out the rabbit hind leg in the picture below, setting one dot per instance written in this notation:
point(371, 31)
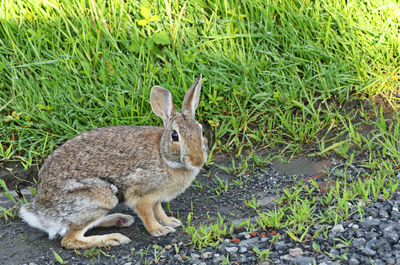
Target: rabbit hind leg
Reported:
point(76, 239)
point(92, 205)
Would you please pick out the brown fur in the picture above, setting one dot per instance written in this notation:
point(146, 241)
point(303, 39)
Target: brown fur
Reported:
point(143, 166)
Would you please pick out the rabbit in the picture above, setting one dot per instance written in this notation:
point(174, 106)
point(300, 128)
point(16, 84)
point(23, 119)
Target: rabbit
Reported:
point(142, 166)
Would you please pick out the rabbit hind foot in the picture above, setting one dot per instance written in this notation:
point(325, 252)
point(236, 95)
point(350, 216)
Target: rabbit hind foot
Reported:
point(75, 239)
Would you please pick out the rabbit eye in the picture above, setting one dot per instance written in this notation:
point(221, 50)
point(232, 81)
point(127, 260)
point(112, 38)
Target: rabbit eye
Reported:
point(174, 136)
point(202, 131)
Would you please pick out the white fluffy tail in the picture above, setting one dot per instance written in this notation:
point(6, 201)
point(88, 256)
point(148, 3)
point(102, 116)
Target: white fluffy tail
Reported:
point(48, 224)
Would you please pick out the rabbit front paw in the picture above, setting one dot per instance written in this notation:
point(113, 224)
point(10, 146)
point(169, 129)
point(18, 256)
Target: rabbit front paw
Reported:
point(172, 222)
point(162, 231)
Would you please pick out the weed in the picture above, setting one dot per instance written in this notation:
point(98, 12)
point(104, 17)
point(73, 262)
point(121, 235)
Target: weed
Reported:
point(271, 219)
point(58, 257)
point(262, 254)
point(208, 235)
point(221, 186)
point(253, 203)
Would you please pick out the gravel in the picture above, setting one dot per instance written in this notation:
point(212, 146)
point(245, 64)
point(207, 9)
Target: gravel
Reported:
point(374, 240)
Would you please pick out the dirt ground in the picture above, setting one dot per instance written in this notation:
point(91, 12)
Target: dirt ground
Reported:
point(22, 244)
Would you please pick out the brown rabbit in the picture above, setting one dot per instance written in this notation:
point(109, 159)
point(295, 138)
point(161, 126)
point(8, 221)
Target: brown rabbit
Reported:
point(142, 166)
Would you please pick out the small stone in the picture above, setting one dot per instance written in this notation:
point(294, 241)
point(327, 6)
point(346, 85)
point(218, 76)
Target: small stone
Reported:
point(126, 263)
point(368, 252)
point(295, 252)
point(337, 229)
point(231, 250)
point(235, 240)
point(248, 242)
point(223, 245)
point(280, 246)
point(383, 214)
point(359, 242)
point(287, 257)
point(242, 250)
point(378, 262)
point(390, 261)
point(300, 260)
point(178, 257)
point(395, 216)
point(369, 223)
point(244, 235)
point(353, 261)
point(391, 237)
point(194, 256)
point(360, 233)
point(206, 255)
point(371, 235)
point(219, 259)
point(334, 252)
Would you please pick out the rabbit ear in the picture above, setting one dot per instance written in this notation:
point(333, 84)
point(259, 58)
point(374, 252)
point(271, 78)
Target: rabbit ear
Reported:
point(192, 96)
point(161, 103)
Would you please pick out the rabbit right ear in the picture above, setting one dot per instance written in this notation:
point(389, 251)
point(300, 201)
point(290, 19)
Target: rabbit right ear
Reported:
point(161, 103)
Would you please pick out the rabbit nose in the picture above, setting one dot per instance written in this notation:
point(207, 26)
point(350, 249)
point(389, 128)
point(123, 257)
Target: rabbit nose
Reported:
point(197, 160)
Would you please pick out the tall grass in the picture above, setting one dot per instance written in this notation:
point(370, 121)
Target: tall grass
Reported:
point(276, 72)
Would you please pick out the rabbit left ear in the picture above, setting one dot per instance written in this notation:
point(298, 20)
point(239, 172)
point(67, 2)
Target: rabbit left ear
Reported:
point(191, 99)
point(161, 103)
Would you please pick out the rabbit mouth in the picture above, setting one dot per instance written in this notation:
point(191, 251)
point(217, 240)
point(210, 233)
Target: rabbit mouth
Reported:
point(193, 162)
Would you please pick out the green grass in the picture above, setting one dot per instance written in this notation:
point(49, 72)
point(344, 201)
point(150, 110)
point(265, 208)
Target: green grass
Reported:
point(278, 75)
point(287, 67)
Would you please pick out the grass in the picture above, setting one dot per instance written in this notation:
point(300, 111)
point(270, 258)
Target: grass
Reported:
point(288, 68)
point(278, 75)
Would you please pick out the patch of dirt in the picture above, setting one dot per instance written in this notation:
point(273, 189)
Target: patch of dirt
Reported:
point(205, 200)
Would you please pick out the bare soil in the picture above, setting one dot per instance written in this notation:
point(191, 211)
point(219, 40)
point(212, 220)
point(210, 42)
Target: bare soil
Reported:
point(22, 244)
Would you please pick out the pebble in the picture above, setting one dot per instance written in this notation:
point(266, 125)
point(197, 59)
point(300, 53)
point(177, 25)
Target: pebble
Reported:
point(206, 255)
point(369, 223)
point(244, 235)
point(334, 252)
point(390, 261)
point(280, 246)
point(391, 237)
point(353, 261)
point(369, 252)
point(232, 250)
point(178, 257)
point(242, 250)
point(300, 260)
point(370, 235)
point(337, 229)
point(359, 242)
point(248, 242)
point(295, 252)
point(194, 256)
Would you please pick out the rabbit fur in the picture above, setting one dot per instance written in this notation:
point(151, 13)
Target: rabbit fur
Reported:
point(141, 166)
